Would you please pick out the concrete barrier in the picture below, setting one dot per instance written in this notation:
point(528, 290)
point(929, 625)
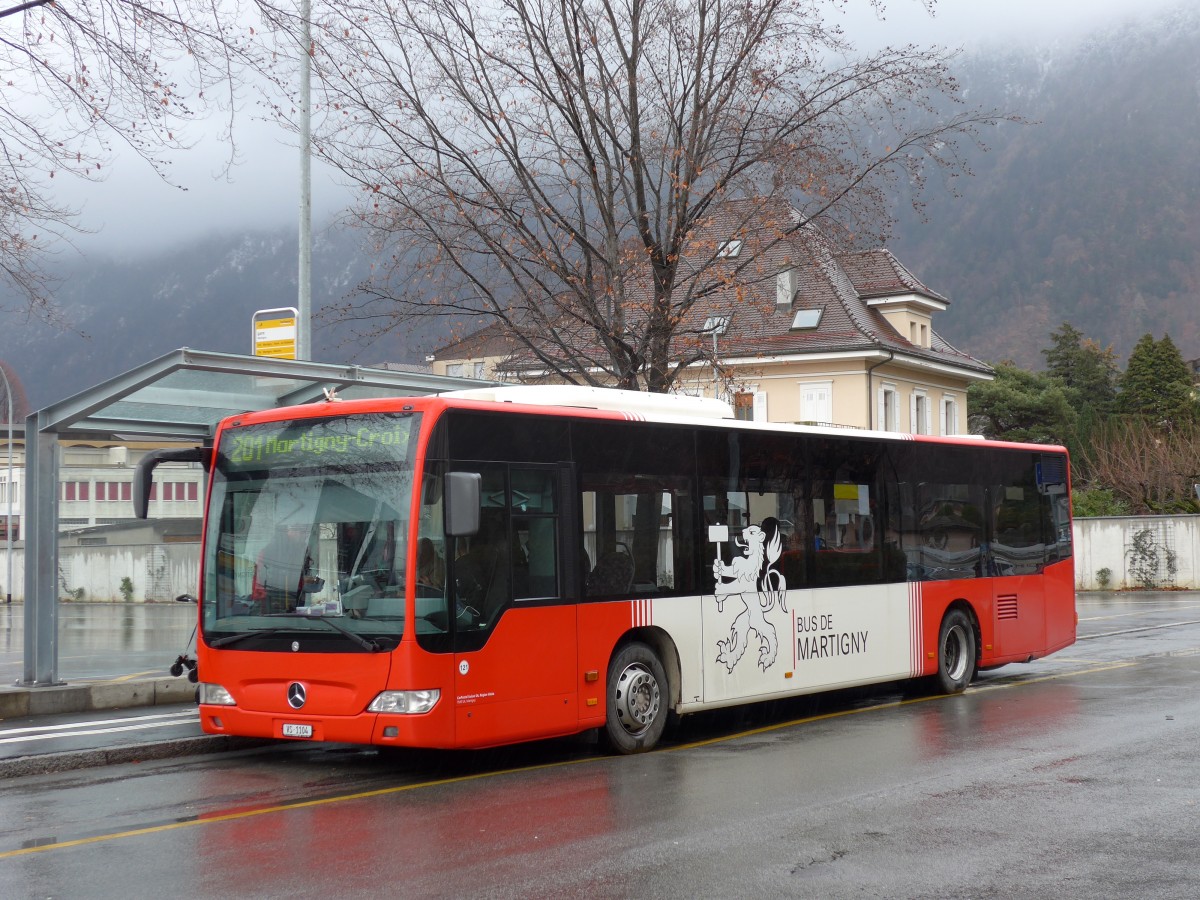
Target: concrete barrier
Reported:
point(16, 702)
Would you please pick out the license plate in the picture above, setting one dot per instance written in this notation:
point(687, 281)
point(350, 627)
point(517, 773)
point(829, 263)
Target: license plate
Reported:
point(292, 730)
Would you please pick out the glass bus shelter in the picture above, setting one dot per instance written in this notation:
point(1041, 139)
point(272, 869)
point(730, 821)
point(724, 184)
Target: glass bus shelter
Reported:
point(179, 397)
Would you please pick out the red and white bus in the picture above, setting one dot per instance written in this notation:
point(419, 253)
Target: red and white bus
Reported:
point(486, 567)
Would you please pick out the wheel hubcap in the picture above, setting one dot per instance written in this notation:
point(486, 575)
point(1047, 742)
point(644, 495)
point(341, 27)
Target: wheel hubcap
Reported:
point(954, 653)
point(638, 699)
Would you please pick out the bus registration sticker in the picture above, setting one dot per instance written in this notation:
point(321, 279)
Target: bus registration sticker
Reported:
point(291, 729)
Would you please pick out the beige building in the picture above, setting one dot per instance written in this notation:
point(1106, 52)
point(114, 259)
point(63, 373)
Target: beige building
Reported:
point(800, 335)
point(95, 486)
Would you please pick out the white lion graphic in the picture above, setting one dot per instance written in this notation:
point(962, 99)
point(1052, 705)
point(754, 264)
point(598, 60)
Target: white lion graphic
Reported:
point(753, 573)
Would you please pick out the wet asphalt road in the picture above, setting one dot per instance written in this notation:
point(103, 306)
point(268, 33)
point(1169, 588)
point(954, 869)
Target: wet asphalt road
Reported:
point(1075, 776)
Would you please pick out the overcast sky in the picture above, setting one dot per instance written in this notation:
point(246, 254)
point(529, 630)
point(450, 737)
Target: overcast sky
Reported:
point(134, 212)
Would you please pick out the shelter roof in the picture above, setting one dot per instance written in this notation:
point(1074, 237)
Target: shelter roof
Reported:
point(185, 393)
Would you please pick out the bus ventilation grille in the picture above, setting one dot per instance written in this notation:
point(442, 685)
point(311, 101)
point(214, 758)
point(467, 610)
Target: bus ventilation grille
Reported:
point(1006, 607)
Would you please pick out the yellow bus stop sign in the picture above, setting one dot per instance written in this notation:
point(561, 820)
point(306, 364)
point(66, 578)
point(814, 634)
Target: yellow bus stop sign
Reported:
point(276, 332)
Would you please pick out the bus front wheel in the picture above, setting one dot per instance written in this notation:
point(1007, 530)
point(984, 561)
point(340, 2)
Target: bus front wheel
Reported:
point(637, 700)
point(956, 653)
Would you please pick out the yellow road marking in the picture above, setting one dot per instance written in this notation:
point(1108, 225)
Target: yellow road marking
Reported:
point(893, 705)
point(283, 807)
point(132, 676)
point(461, 779)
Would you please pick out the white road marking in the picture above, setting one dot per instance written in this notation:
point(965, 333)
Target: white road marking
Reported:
point(100, 726)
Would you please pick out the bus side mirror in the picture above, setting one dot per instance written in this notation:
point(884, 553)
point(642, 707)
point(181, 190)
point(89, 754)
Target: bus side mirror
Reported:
point(143, 472)
point(463, 492)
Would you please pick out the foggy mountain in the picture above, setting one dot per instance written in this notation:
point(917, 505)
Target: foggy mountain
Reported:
point(1090, 213)
point(203, 296)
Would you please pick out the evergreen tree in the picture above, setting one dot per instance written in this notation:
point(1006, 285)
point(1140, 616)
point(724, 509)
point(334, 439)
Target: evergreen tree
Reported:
point(1087, 371)
point(1157, 385)
point(1088, 374)
point(1020, 406)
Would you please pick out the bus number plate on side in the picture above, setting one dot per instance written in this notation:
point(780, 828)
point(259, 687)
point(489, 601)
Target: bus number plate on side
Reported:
point(291, 729)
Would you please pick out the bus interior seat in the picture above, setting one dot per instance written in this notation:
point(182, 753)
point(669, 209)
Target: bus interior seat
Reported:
point(613, 575)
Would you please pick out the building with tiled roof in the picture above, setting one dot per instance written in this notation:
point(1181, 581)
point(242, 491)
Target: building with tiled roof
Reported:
point(798, 333)
point(478, 355)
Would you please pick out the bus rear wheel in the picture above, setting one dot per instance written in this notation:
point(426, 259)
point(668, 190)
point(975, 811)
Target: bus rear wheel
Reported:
point(956, 653)
point(637, 695)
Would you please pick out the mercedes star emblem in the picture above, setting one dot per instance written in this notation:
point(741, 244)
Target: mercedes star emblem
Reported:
point(296, 695)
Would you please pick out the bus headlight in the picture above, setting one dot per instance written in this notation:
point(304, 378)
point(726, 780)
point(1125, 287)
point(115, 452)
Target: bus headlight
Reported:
point(405, 702)
point(215, 695)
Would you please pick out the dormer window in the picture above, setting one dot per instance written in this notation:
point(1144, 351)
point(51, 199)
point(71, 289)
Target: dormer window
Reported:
point(806, 319)
point(730, 249)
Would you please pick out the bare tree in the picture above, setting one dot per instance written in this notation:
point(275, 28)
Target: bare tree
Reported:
point(561, 166)
point(1154, 470)
point(20, 401)
point(83, 76)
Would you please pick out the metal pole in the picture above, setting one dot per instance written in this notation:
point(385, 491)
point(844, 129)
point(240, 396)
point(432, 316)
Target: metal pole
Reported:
point(716, 370)
point(304, 278)
point(8, 491)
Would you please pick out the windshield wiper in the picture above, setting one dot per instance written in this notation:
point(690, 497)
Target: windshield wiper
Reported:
point(242, 635)
point(365, 643)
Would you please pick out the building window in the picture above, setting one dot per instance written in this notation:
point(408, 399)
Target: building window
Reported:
point(919, 413)
point(743, 406)
point(806, 319)
point(112, 491)
point(949, 415)
point(889, 401)
point(454, 370)
point(729, 249)
point(74, 490)
point(478, 370)
point(816, 402)
point(750, 404)
point(193, 491)
point(924, 335)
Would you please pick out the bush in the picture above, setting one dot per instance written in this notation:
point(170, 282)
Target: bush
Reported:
point(1092, 502)
point(127, 589)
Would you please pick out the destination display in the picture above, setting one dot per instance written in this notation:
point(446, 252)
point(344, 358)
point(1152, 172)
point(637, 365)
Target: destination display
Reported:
point(302, 442)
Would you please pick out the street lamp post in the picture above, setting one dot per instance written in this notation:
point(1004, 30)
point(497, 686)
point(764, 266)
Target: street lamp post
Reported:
point(8, 490)
point(304, 275)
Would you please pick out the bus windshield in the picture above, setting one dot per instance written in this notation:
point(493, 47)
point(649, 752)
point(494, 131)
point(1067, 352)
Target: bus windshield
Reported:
point(308, 532)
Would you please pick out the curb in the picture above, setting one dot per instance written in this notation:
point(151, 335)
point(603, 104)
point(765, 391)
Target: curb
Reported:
point(18, 702)
point(70, 760)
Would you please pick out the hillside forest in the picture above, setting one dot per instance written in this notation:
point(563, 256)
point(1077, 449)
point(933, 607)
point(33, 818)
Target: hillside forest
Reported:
point(1134, 435)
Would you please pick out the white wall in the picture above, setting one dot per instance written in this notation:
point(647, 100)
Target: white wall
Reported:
point(1106, 543)
point(158, 571)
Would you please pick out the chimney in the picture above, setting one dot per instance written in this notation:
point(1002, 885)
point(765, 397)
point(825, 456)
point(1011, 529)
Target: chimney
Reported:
point(786, 285)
